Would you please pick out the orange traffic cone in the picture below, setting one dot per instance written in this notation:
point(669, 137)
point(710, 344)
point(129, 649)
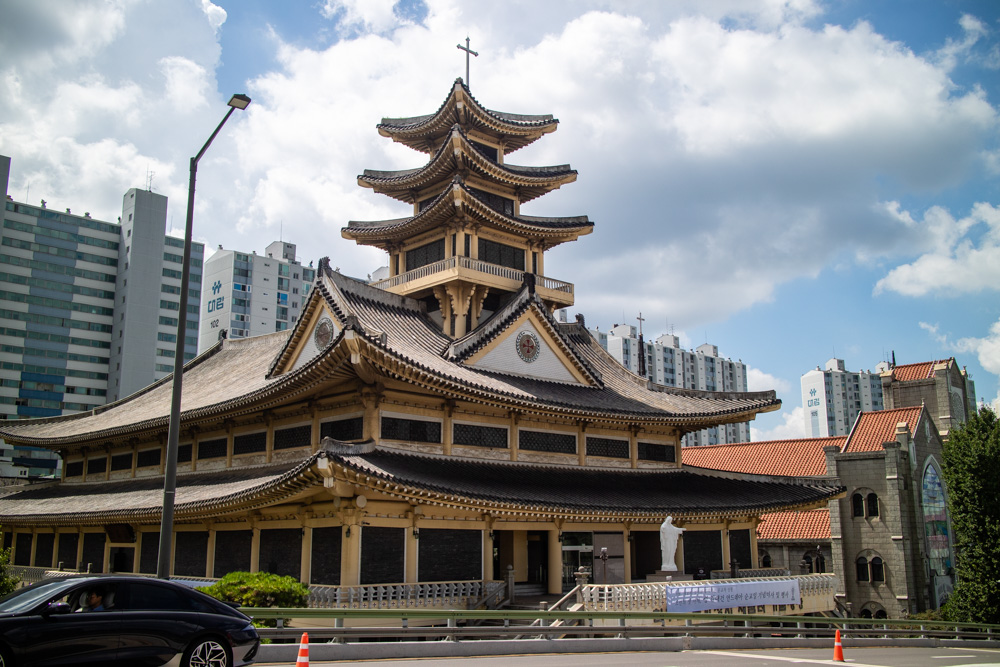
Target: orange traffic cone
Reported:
point(838, 649)
point(303, 660)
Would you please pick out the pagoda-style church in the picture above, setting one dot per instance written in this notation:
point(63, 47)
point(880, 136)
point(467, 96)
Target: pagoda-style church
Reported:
point(437, 425)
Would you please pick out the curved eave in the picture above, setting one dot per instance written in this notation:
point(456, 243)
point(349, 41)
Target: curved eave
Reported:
point(423, 133)
point(144, 498)
point(288, 387)
point(396, 366)
point(351, 472)
point(455, 200)
point(459, 156)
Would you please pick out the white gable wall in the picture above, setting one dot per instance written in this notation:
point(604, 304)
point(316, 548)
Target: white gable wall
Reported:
point(504, 359)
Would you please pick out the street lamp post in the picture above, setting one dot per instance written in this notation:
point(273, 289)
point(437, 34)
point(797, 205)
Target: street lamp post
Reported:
point(173, 434)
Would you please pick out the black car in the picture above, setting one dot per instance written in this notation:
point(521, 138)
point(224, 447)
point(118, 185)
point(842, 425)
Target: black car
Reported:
point(121, 620)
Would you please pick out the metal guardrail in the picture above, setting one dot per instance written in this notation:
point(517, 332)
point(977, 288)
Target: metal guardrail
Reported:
point(511, 623)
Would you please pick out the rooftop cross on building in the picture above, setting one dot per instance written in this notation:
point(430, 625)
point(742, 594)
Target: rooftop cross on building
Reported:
point(468, 51)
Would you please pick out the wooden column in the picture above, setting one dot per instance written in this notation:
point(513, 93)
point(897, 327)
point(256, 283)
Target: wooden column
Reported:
point(555, 563)
point(487, 551)
point(627, 554)
point(254, 547)
point(136, 553)
point(210, 549)
point(410, 558)
point(350, 556)
point(512, 436)
point(447, 432)
point(305, 572)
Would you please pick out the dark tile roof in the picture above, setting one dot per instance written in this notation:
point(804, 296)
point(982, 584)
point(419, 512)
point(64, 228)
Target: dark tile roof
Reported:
point(519, 130)
point(410, 337)
point(213, 493)
point(231, 371)
point(442, 209)
point(452, 480)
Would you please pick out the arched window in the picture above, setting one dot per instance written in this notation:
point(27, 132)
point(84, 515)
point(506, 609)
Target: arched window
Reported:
point(765, 560)
point(872, 504)
point(858, 502)
point(862, 568)
point(866, 613)
point(809, 563)
point(881, 614)
point(878, 569)
point(820, 564)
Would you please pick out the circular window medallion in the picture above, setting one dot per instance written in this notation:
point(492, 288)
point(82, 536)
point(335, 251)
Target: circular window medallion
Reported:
point(323, 333)
point(527, 346)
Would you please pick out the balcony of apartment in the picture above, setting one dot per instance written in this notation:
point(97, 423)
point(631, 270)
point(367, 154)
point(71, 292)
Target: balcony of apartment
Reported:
point(466, 269)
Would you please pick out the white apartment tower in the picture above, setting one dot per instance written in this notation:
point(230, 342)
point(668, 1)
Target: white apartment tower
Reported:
point(668, 364)
point(249, 294)
point(833, 398)
point(148, 296)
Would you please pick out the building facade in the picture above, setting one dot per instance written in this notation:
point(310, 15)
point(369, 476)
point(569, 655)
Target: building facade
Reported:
point(667, 364)
point(251, 295)
point(147, 300)
point(833, 398)
point(438, 425)
point(888, 539)
point(944, 387)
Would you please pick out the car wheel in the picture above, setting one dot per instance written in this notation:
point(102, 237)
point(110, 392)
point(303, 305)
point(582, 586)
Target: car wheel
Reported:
point(208, 652)
point(5, 659)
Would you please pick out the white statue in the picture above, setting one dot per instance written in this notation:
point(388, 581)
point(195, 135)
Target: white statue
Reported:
point(668, 543)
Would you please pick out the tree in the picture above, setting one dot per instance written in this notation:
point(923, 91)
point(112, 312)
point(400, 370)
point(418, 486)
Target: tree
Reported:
point(972, 474)
point(8, 582)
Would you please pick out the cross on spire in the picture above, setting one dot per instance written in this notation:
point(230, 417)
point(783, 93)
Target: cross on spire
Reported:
point(468, 52)
point(641, 320)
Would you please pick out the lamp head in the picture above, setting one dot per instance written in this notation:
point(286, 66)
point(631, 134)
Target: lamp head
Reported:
point(239, 101)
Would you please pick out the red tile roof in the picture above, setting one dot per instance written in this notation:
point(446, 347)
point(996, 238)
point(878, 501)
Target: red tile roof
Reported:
point(795, 458)
point(921, 371)
point(874, 428)
point(808, 525)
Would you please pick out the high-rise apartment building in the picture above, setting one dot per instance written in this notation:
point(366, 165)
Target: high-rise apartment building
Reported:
point(87, 305)
point(666, 363)
point(148, 292)
point(249, 294)
point(832, 398)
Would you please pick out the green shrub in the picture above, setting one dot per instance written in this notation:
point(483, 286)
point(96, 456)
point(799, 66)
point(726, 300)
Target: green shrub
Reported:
point(259, 589)
point(8, 582)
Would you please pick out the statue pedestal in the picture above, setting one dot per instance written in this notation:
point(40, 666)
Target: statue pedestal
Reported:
point(664, 575)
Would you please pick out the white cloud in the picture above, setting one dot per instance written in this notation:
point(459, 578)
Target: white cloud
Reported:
point(792, 426)
point(758, 380)
point(186, 83)
point(215, 14)
point(723, 149)
point(362, 16)
point(986, 349)
point(963, 256)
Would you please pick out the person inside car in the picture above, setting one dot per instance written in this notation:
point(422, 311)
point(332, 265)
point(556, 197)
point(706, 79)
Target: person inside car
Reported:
point(95, 600)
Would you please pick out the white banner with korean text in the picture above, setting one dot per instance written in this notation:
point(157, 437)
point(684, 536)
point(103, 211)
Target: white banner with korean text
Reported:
point(727, 594)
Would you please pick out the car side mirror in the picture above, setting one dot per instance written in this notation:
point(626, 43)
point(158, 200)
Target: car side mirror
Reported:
point(56, 608)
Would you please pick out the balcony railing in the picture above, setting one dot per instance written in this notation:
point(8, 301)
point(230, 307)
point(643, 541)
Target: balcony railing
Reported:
point(479, 266)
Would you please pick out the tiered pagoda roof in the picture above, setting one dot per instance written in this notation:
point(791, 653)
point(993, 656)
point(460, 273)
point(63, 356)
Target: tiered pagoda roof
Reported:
point(458, 199)
point(425, 133)
point(457, 154)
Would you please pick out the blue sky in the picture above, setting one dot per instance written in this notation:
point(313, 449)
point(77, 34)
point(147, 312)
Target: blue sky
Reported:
point(789, 180)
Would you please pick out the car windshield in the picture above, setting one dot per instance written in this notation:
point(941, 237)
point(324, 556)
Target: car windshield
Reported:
point(26, 598)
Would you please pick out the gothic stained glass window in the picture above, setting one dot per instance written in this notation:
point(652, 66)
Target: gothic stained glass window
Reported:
point(936, 521)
